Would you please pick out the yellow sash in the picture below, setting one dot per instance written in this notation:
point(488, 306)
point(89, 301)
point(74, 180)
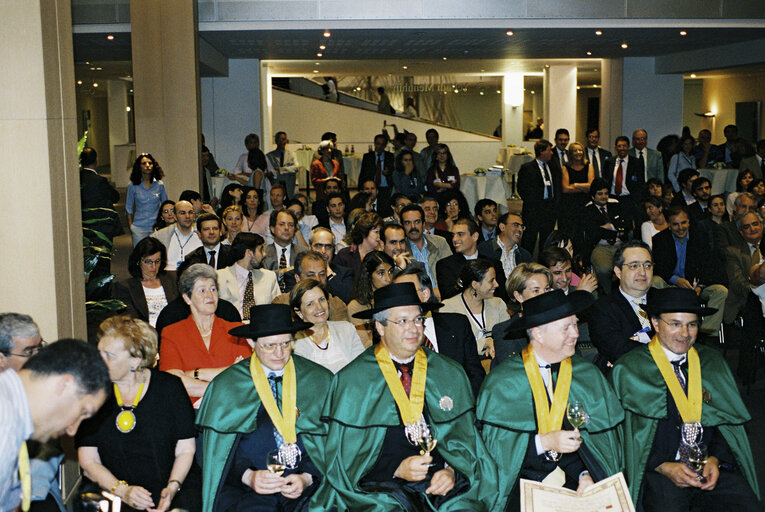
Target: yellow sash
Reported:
point(410, 407)
point(284, 424)
point(25, 476)
point(688, 406)
point(548, 419)
point(118, 395)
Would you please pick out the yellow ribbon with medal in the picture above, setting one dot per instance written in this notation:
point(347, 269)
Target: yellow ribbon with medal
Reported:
point(126, 418)
point(689, 406)
point(548, 418)
point(284, 422)
point(410, 407)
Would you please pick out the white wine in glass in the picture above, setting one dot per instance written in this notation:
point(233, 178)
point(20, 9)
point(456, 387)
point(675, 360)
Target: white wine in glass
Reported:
point(275, 464)
point(427, 445)
point(697, 457)
point(577, 413)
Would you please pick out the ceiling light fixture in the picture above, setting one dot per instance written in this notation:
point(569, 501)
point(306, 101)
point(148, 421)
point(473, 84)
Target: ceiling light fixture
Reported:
point(625, 46)
point(95, 84)
point(509, 32)
point(578, 87)
point(443, 58)
point(708, 113)
point(598, 32)
point(327, 33)
point(92, 69)
point(110, 37)
point(499, 91)
point(320, 54)
point(127, 109)
point(533, 92)
point(589, 53)
point(322, 47)
point(404, 67)
point(683, 33)
point(79, 82)
point(693, 75)
point(481, 93)
point(99, 69)
point(315, 70)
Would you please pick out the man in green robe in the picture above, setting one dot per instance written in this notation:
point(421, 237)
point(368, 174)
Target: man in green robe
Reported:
point(658, 465)
point(239, 436)
point(506, 409)
point(372, 463)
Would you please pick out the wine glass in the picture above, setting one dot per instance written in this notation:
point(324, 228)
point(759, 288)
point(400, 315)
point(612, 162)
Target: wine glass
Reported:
point(274, 463)
point(577, 413)
point(427, 444)
point(697, 458)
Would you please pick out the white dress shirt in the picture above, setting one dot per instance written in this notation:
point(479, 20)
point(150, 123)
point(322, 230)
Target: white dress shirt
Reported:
point(624, 161)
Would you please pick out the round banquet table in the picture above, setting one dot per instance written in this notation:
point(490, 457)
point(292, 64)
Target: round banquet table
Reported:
point(723, 180)
point(489, 187)
point(303, 158)
point(352, 164)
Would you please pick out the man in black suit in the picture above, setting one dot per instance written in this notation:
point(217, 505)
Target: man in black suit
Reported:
point(377, 165)
point(595, 154)
point(560, 155)
point(617, 324)
point(624, 176)
point(683, 260)
point(212, 251)
point(684, 197)
point(339, 278)
point(486, 214)
point(449, 333)
point(320, 206)
point(605, 229)
point(702, 191)
point(539, 185)
point(506, 247)
point(378, 207)
point(465, 238)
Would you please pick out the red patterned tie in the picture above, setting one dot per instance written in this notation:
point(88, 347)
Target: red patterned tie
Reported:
point(619, 179)
point(406, 378)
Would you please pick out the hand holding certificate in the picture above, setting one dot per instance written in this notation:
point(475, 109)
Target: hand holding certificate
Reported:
point(609, 495)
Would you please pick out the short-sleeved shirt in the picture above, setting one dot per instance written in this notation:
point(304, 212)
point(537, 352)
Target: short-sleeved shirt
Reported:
point(147, 202)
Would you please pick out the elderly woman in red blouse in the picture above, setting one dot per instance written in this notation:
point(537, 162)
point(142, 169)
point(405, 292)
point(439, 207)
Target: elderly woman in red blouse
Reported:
point(324, 168)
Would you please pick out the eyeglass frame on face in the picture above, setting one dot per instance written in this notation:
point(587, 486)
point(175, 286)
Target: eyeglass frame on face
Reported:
point(151, 262)
point(678, 325)
point(271, 347)
point(518, 225)
point(418, 321)
point(33, 350)
point(169, 210)
point(453, 203)
point(636, 265)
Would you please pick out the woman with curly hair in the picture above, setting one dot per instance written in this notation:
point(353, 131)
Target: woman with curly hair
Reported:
point(452, 205)
point(145, 195)
point(376, 271)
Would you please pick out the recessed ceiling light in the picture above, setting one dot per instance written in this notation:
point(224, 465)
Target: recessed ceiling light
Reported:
point(317, 64)
point(88, 63)
point(481, 93)
point(315, 70)
point(533, 92)
point(319, 54)
point(598, 32)
point(79, 82)
point(589, 53)
point(483, 71)
point(443, 58)
point(693, 75)
point(95, 84)
point(625, 46)
point(327, 33)
point(404, 67)
point(98, 69)
point(499, 91)
point(509, 32)
point(92, 69)
point(547, 65)
point(446, 92)
point(683, 33)
point(131, 90)
point(578, 87)
point(456, 91)
point(110, 37)
point(127, 109)
point(322, 47)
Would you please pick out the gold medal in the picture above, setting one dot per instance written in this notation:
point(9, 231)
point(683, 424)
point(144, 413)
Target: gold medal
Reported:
point(125, 420)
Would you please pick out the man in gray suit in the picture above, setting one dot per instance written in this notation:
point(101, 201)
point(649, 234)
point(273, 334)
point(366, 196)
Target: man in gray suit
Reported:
point(755, 163)
point(280, 255)
point(650, 159)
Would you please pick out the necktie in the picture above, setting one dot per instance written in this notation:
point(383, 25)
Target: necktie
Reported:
point(378, 169)
point(212, 259)
point(563, 158)
point(642, 315)
point(282, 266)
point(249, 297)
point(273, 381)
point(548, 383)
point(406, 378)
point(548, 186)
point(594, 160)
point(25, 477)
point(281, 159)
point(640, 158)
point(619, 179)
point(427, 343)
point(684, 450)
point(756, 255)
point(762, 165)
point(604, 211)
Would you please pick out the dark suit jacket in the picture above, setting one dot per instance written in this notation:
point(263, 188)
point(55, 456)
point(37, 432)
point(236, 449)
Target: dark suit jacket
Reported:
point(449, 269)
point(222, 260)
point(634, 178)
point(482, 239)
point(696, 213)
point(341, 283)
point(130, 291)
point(369, 167)
point(604, 156)
point(455, 340)
point(490, 249)
point(594, 219)
point(178, 310)
point(612, 324)
point(697, 257)
point(531, 187)
point(555, 162)
point(96, 192)
point(271, 261)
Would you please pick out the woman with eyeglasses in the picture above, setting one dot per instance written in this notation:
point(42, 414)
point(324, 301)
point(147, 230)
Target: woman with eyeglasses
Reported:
point(452, 205)
point(145, 194)
point(376, 271)
point(654, 209)
point(150, 288)
point(166, 215)
point(443, 173)
point(330, 344)
point(405, 177)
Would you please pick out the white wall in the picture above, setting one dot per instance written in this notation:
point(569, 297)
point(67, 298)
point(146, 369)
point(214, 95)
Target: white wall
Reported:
point(231, 110)
point(305, 119)
point(650, 101)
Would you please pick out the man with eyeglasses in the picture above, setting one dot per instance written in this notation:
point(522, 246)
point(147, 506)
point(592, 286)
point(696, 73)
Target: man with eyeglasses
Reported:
point(19, 340)
point(685, 447)
point(506, 247)
point(617, 324)
point(339, 278)
point(401, 427)
point(262, 413)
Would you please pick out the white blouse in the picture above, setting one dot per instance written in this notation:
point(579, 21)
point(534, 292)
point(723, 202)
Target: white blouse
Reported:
point(343, 347)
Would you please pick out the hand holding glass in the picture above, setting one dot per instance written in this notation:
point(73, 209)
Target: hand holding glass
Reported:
point(577, 414)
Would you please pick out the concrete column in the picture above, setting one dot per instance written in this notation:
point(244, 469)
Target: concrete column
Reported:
point(166, 88)
point(117, 100)
point(266, 113)
point(560, 100)
point(611, 101)
point(651, 101)
point(512, 109)
point(42, 274)
point(231, 109)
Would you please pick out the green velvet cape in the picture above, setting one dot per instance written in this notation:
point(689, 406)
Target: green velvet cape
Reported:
point(359, 410)
point(230, 407)
point(643, 394)
point(506, 412)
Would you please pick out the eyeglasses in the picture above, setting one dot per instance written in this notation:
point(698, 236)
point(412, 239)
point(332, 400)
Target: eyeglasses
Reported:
point(518, 226)
point(418, 321)
point(635, 265)
point(29, 351)
point(692, 326)
point(152, 262)
point(452, 203)
point(271, 347)
point(168, 211)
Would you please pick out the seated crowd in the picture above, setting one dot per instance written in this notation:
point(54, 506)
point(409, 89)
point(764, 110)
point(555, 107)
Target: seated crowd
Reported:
point(362, 353)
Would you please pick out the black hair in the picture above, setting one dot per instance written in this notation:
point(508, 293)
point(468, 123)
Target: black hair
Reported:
point(142, 249)
point(156, 171)
point(363, 291)
point(483, 203)
point(541, 146)
point(190, 195)
point(632, 244)
point(76, 358)
point(596, 185)
point(561, 131)
point(208, 216)
point(160, 223)
point(243, 242)
point(473, 271)
point(412, 208)
point(88, 156)
point(275, 216)
point(259, 208)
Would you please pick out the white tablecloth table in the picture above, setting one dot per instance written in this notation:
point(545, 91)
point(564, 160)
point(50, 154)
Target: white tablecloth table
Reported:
point(723, 180)
point(489, 187)
point(352, 167)
point(303, 157)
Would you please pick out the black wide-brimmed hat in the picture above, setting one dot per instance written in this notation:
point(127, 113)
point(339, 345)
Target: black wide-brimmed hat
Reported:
point(394, 295)
point(675, 300)
point(552, 306)
point(269, 319)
